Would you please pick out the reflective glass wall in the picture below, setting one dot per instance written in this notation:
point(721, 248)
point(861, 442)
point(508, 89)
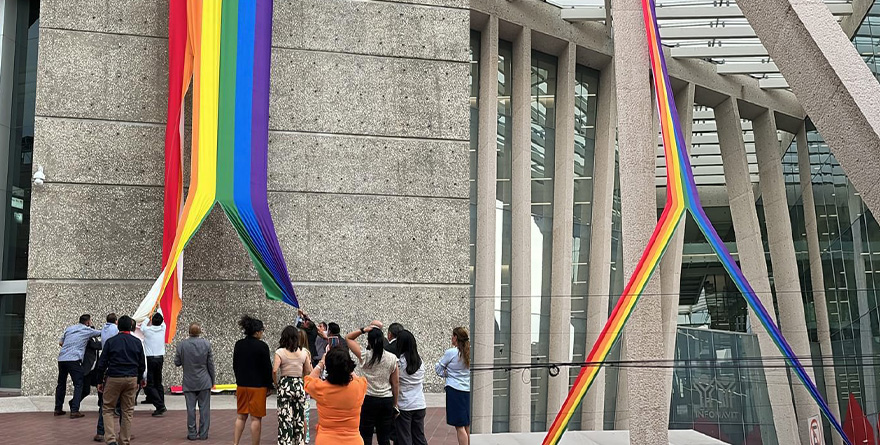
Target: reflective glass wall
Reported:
point(502, 233)
point(543, 132)
point(714, 394)
point(18, 87)
point(586, 91)
point(543, 115)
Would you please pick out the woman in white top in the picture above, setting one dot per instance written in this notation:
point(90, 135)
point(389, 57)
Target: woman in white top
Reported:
point(455, 366)
point(380, 368)
point(410, 423)
point(292, 362)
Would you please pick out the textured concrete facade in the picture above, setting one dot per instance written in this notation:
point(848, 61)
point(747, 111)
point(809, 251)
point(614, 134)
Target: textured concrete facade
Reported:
point(838, 91)
point(647, 410)
point(368, 174)
point(750, 251)
point(521, 231)
point(782, 255)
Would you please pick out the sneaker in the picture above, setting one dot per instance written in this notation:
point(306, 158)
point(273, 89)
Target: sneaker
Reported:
point(98, 438)
point(160, 412)
point(112, 443)
point(60, 412)
point(76, 415)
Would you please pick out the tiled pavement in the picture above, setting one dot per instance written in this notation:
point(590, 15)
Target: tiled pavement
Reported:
point(44, 428)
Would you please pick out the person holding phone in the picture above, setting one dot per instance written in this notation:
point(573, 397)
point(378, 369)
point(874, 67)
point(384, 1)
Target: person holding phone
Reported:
point(381, 370)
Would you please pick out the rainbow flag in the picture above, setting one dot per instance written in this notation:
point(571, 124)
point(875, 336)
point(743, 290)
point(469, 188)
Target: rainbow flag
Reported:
point(227, 54)
point(681, 194)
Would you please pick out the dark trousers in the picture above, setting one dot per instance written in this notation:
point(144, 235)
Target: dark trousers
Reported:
point(203, 399)
point(410, 428)
point(74, 369)
point(100, 430)
point(154, 390)
point(377, 414)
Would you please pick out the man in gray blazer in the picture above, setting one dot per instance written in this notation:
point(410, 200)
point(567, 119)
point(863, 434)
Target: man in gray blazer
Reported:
point(195, 355)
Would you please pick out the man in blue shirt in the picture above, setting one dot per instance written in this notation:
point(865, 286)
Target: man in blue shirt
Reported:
point(73, 347)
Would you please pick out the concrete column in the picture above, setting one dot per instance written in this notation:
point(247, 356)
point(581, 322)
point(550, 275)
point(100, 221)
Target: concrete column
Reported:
point(792, 321)
point(637, 142)
point(817, 275)
point(751, 258)
point(829, 78)
point(593, 404)
point(670, 264)
point(563, 220)
point(484, 282)
point(521, 231)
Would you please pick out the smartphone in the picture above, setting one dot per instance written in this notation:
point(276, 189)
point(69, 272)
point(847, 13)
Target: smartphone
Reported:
point(334, 341)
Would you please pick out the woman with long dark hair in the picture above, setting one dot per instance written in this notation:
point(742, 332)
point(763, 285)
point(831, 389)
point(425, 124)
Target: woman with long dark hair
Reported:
point(292, 362)
point(339, 399)
point(455, 366)
point(252, 365)
point(380, 369)
point(410, 423)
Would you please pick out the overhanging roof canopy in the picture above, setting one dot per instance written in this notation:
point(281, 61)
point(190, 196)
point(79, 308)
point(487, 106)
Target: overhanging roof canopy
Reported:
point(713, 30)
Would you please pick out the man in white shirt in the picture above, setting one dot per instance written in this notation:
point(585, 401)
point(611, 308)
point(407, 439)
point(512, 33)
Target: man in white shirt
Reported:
point(154, 346)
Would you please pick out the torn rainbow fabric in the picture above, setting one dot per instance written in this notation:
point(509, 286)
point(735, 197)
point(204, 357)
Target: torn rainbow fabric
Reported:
point(681, 194)
point(229, 45)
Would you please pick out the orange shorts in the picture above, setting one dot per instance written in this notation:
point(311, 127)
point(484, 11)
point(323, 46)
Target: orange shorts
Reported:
point(251, 401)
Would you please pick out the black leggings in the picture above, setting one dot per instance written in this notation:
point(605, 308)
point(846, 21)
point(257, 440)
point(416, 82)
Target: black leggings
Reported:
point(377, 413)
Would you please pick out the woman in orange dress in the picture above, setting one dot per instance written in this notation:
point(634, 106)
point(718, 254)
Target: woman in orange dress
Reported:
point(339, 399)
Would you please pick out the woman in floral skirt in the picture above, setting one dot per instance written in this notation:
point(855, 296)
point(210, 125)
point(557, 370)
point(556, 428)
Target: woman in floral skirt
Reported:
point(292, 362)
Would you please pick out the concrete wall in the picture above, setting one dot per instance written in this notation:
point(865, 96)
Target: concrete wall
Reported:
point(368, 174)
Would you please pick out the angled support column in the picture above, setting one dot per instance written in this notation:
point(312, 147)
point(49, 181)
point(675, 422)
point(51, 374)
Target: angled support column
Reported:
point(484, 281)
point(817, 275)
point(521, 232)
point(792, 320)
point(643, 339)
point(829, 78)
point(593, 405)
point(670, 264)
point(751, 257)
point(563, 220)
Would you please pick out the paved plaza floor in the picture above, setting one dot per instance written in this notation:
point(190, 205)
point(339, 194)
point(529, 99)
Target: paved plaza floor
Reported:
point(37, 425)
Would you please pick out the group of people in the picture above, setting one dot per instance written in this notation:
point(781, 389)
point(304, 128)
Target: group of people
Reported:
point(119, 364)
point(359, 392)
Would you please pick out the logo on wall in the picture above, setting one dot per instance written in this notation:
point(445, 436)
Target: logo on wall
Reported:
point(717, 399)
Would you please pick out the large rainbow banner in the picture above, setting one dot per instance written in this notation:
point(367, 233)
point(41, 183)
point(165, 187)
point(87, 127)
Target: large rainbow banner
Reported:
point(681, 195)
point(224, 48)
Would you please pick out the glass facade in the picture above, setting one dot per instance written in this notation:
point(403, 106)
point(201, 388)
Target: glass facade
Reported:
point(585, 95)
point(21, 32)
point(713, 392)
point(716, 396)
point(502, 234)
point(21, 142)
point(11, 340)
point(543, 110)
